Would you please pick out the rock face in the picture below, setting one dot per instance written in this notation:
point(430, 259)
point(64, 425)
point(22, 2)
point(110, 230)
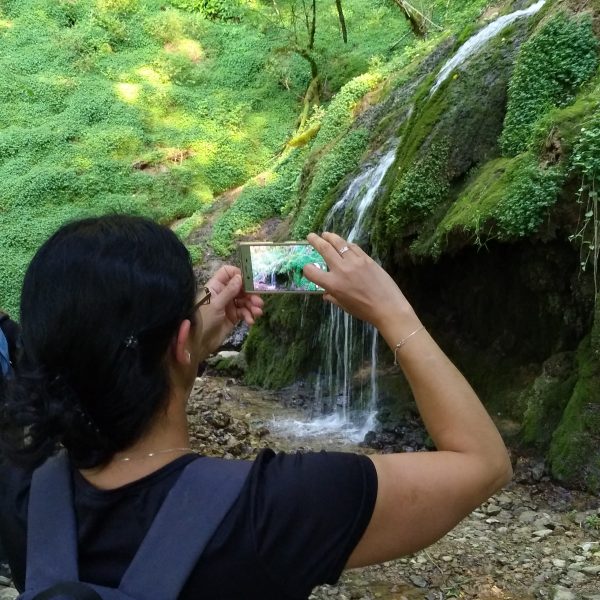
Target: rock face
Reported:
point(483, 222)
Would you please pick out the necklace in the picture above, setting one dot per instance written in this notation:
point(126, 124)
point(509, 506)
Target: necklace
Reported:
point(154, 453)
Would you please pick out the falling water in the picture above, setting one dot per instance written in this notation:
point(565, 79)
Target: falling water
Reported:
point(473, 44)
point(343, 339)
point(351, 411)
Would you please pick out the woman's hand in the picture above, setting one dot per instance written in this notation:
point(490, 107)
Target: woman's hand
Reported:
point(355, 282)
point(229, 304)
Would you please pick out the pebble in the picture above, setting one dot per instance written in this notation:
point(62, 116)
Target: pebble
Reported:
point(527, 516)
point(563, 594)
point(542, 533)
point(576, 576)
point(418, 581)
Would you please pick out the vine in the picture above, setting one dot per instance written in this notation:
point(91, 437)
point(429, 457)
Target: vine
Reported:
point(586, 161)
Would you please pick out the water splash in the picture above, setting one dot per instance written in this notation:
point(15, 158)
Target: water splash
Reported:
point(474, 43)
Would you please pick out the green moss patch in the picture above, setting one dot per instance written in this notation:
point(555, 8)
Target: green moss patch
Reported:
point(550, 69)
point(281, 346)
point(574, 454)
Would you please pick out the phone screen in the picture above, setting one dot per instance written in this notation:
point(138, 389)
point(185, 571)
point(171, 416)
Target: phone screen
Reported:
point(273, 268)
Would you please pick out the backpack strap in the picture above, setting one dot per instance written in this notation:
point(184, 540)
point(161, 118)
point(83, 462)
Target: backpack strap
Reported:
point(5, 367)
point(51, 526)
point(188, 518)
point(185, 523)
point(69, 589)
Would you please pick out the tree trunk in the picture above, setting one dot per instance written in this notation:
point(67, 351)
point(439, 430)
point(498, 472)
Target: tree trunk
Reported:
point(340, 10)
point(313, 26)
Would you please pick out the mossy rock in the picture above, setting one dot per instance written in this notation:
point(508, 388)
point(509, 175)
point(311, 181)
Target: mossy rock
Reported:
point(282, 345)
point(450, 133)
point(229, 363)
point(574, 454)
point(545, 400)
point(506, 199)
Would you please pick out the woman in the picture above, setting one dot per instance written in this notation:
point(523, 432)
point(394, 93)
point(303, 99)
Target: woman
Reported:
point(113, 333)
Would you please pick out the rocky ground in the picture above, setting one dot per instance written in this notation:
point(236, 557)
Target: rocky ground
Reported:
point(534, 540)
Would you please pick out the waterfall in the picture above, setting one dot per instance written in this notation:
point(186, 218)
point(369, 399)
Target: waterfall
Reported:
point(474, 43)
point(343, 340)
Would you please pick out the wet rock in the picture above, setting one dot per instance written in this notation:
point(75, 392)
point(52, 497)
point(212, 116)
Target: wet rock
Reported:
point(237, 337)
point(418, 581)
point(228, 362)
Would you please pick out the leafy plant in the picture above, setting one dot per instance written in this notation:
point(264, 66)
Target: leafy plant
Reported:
point(213, 9)
point(592, 522)
point(551, 67)
point(586, 162)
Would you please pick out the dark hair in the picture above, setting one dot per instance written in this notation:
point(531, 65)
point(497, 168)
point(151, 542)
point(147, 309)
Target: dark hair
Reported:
point(101, 302)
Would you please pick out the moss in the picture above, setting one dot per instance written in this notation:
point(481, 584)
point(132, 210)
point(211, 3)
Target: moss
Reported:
point(504, 199)
point(419, 191)
point(561, 127)
point(574, 454)
point(342, 159)
point(544, 402)
point(282, 345)
point(450, 132)
point(550, 69)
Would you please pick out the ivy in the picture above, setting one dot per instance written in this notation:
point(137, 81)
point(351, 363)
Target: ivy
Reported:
point(551, 68)
point(419, 191)
point(529, 193)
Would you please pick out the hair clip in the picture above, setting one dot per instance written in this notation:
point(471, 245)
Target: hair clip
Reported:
point(131, 342)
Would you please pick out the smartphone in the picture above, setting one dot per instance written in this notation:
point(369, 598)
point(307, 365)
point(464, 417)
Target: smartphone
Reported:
point(270, 268)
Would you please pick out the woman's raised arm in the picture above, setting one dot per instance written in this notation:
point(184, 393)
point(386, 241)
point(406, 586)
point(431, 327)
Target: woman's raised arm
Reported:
point(421, 496)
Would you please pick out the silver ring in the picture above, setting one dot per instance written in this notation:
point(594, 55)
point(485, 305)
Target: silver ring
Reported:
point(342, 250)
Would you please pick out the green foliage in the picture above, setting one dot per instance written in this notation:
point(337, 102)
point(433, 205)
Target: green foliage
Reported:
point(586, 151)
point(530, 191)
point(257, 202)
point(504, 199)
point(340, 113)
point(122, 106)
point(574, 454)
point(213, 9)
point(585, 163)
point(550, 69)
point(185, 227)
point(328, 171)
point(419, 191)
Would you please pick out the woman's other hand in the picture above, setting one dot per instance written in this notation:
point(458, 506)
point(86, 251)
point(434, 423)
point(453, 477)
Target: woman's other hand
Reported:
point(229, 304)
point(355, 282)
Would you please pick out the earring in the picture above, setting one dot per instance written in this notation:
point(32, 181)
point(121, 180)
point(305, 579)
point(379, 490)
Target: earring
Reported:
point(189, 356)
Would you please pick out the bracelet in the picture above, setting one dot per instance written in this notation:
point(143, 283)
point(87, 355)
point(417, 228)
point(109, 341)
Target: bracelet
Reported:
point(403, 341)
